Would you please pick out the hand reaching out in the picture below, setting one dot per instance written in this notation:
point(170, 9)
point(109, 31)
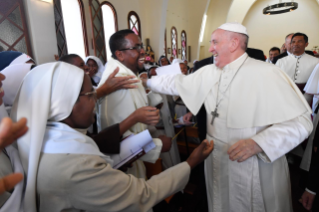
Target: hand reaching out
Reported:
point(116, 83)
point(200, 153)
point(9, 132)
point(147, 115)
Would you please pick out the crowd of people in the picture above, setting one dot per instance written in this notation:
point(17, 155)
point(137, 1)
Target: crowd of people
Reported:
point(69, 117)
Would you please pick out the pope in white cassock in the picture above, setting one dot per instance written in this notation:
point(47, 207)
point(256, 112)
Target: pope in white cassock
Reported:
point(255, 115)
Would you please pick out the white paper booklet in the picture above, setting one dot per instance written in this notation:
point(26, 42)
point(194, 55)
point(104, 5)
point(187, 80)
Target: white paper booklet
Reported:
point(132, 148)
point(170, 69)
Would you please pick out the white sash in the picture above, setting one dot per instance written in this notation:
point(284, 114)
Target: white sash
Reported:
point(244, 188)
point(59, 138)
point(14, 203)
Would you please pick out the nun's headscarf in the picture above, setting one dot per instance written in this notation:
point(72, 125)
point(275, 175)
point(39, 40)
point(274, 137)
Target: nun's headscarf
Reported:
point(45, 95)
point(97, 77)
point(15, 70)
point(177, 61)
point(159, 60)
point(12, 58)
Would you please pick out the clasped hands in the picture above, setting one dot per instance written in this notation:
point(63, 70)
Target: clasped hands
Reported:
point(243, 149)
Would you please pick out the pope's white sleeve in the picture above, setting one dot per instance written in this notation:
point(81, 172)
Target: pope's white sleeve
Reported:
point(278, 139)
point(164, 84)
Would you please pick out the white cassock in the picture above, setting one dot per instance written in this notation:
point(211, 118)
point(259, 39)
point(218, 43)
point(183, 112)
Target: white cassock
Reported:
point(261, 103)
point(165, 127)
point(311, 88)
point(117, 106)
point(298, 68)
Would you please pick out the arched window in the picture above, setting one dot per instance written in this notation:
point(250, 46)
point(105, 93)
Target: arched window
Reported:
point(13, 28)
point(174, 42)
point(59, 29)
point(75, 29)
point(165, 44)
point(134, 23)
point(109, 23)
point(104, 24)
point(184, 45)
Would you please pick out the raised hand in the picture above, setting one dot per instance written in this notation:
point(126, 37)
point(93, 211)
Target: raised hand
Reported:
point(116, 83)
point(10, 131)
point(200, 153)
point(147, 115)
point(243, 149)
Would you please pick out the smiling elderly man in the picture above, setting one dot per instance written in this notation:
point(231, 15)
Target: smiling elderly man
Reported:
point(255, 116)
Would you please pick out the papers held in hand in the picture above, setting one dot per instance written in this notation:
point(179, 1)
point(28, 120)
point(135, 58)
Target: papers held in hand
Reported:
point(132, 148)
point(170, 69)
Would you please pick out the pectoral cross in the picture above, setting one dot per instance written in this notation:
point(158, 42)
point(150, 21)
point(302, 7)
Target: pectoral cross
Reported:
point(214, 114)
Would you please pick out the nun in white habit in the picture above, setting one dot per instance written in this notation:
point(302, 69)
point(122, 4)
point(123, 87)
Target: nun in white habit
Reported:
point(96, 68)
point(10, 160)
point(65, 169)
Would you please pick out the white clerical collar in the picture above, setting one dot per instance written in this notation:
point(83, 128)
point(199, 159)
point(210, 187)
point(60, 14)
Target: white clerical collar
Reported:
point(234, 63)
point(82, 131)
point(298, 57)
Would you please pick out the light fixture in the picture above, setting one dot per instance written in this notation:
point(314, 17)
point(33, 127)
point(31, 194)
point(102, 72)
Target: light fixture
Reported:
point(280, 8)
point(49, 1)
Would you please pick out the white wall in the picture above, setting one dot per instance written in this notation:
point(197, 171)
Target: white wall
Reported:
point(41, 26)
point(267, 31)
point(216, 15)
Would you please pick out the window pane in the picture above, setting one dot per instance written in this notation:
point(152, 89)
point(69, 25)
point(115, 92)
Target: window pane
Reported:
point(3, 47)
point(109, 27)
point(95, 5)
point(60, 39)
point(9, 33)
point(73, 27)
point(21, 46)
point(16, 17)
point(133, 18)
point(57, 15)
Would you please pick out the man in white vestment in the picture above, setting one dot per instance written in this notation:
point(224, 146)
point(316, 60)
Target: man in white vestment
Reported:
point(255, 114)
point(299, 65)
point(129, 55)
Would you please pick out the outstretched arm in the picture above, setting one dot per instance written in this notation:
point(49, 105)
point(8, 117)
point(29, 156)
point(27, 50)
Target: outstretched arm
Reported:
point(164, 84)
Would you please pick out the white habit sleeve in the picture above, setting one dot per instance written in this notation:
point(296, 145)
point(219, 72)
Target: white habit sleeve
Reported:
point(280, 138)
point(164, 84)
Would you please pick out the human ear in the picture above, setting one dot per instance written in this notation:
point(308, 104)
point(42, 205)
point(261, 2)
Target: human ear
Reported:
point(307, 44)
point(119, 55)
point(234, 43)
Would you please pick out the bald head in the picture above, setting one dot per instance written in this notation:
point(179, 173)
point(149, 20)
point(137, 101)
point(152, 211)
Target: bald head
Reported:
point(288, 42)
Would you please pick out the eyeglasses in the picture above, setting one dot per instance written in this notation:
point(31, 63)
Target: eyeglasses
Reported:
point(138, 47)
point(91, 95)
